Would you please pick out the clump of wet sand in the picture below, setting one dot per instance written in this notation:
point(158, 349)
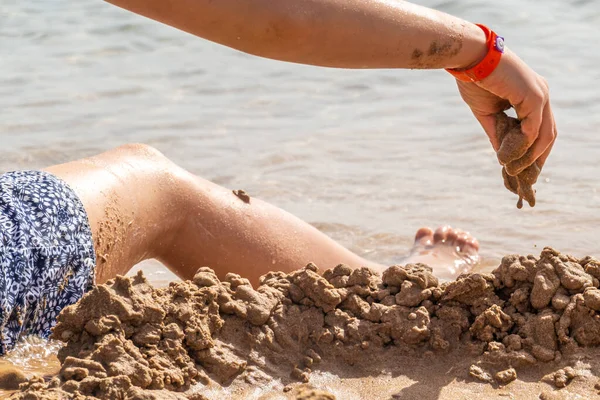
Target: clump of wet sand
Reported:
point(129, 340)
point(513, 154)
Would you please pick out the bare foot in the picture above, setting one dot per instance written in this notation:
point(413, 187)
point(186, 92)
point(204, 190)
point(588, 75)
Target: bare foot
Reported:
point(450, 252)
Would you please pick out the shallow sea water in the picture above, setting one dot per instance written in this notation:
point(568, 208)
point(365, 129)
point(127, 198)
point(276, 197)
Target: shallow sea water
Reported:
point(366, 156)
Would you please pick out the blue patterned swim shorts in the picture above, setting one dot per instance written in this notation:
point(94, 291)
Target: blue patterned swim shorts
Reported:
point(47, 258)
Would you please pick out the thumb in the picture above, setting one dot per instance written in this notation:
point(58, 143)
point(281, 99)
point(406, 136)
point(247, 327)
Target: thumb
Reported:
point(488, 123)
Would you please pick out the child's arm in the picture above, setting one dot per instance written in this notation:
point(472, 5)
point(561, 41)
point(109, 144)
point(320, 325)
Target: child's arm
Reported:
point(369, 34)
point(331, 33)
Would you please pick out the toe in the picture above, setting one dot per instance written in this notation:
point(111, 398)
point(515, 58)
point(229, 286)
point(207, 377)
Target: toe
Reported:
point(466, 243)
point(452, 236)
point(441, 234)
point(461, 241)
point(472, 245)
point(424, 236)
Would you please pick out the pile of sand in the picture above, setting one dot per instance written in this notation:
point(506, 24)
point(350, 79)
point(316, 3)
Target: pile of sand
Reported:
point(128, 340)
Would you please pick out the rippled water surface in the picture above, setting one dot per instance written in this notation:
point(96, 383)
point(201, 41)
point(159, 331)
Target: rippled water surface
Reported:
point(366, 156)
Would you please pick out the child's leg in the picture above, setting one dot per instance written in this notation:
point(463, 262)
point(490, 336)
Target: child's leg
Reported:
point(141, 206)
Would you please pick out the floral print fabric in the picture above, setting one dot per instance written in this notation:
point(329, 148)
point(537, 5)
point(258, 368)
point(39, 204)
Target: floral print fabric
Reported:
point(47, 258)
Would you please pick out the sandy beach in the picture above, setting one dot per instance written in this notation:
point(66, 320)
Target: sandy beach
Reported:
point(367, 157)
point(527, 330)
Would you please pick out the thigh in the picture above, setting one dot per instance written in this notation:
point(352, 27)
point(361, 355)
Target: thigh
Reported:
point(128, 198)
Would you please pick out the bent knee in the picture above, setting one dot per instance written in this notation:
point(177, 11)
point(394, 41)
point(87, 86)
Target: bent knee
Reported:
point(136, 160)
point(145, 160)
point(140, 150)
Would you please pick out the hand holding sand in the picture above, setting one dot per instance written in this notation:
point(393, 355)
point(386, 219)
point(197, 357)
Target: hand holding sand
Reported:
point(522, 144)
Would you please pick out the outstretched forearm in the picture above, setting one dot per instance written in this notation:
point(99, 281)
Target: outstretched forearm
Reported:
point(331, 33)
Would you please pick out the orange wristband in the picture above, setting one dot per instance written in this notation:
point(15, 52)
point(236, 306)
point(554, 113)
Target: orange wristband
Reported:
point(495, 49)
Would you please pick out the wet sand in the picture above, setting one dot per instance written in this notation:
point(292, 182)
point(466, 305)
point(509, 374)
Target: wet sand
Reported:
point(513, 155)
point(529, 329)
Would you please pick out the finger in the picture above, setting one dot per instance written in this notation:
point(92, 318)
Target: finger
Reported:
point(542, 160)
point(484, 105)
point(544, 140)
point(488, 123)
point(531, 114)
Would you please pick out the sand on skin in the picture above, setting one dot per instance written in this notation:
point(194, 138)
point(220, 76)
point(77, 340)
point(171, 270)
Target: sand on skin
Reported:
point(348, 333)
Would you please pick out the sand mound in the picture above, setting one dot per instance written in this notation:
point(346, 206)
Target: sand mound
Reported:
point(128, 340)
